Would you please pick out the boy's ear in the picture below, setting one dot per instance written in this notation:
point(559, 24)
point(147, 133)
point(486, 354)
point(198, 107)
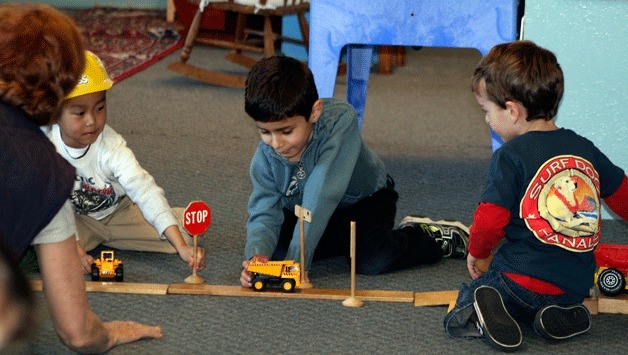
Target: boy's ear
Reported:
point(516, 111)
point(317, 111)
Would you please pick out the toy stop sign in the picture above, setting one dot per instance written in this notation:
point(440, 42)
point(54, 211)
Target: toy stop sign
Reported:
point(197, 217)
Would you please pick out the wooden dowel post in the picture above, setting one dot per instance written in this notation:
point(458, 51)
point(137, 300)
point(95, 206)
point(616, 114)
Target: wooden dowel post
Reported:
point(352, 301)
point(194, 278)
point(304, 215)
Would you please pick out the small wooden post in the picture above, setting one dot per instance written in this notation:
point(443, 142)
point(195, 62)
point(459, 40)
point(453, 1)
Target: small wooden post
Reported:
point(353, 301)
point(194, 278)
point(304, 215)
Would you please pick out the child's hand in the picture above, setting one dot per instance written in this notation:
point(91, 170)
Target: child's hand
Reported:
point(186, 254)
point(476, 266)
point(86, 259)
point(245, 276)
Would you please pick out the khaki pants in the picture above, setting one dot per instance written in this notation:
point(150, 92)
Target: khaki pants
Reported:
point(126, 229)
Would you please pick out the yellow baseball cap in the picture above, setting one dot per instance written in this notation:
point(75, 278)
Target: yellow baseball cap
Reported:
point(94, 78)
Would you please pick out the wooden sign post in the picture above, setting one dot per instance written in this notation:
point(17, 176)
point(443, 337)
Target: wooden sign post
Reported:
point(352, 301)
point(304, 215)
point(196, 219)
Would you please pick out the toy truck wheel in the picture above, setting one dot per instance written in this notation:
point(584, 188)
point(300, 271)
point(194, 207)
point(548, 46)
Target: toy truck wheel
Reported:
point(95, 273)
point(119, 274)
point(259, 285)
point(611, 282)
point(287, 285)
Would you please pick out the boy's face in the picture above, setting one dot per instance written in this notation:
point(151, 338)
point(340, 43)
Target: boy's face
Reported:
point(82, 119)
point(288, 137)
point(499, 119)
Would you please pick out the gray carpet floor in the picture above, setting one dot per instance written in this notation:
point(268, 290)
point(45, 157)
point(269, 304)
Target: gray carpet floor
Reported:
point(197, 142)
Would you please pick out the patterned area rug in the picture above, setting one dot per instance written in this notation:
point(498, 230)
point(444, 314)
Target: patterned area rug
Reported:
point(127, 40)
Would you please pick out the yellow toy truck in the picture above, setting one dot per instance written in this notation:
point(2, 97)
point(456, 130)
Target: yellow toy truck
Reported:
point(107, 267)
point(285, 274)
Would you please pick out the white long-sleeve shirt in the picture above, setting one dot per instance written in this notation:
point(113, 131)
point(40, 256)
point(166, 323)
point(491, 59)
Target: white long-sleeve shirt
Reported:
point(108, 172)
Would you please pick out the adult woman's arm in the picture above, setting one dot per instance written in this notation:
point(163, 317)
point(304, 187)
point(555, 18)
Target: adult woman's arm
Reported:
point(76, 324)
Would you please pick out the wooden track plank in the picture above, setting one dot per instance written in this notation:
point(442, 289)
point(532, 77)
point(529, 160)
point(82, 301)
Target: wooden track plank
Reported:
point(435, 298)
point(617, 304)
point(601, 304)
point(116, 287)
point(312, 293)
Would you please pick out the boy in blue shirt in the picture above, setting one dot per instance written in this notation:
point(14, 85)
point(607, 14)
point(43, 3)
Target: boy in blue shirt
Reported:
point(312, 154)
point(544, 191)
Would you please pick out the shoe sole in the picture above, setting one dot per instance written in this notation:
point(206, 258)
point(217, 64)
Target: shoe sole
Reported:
point(559, 323)
point(496, 325)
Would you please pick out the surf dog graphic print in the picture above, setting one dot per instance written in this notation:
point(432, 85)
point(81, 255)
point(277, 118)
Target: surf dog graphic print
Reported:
point(561, 205)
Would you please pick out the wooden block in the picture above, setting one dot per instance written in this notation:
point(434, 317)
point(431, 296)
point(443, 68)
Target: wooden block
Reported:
point(115, 287)
point(435, 298)
point(617, 304)
point(312, 293)
point(591, 304)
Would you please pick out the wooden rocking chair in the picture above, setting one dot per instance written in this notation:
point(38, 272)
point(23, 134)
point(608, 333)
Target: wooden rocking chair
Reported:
point(265, 8)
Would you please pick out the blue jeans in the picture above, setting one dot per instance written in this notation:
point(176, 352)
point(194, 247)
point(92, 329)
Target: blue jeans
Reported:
point(521, 304)
point(379, 247)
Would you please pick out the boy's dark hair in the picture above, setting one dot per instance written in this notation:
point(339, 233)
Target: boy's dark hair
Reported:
point(279, 87)
point(523, 72)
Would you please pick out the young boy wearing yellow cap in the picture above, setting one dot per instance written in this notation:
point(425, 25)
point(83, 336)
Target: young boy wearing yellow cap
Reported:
point(117, 202)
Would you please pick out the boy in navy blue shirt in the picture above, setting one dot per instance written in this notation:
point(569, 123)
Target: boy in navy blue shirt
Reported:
point(544, 192)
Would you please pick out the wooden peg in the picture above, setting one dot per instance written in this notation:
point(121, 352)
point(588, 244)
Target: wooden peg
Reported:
point(352, 301)
point(304, 216)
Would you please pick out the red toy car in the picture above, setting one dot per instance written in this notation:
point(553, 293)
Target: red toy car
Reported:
point(612, 262)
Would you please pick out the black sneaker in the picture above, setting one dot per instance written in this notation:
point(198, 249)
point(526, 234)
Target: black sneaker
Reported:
point(452, 236)
point(493, 321)
point(558, 323)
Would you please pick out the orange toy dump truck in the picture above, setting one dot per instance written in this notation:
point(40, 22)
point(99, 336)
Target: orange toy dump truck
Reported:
point(612, 262)
point(285, 274)
point(107, 267)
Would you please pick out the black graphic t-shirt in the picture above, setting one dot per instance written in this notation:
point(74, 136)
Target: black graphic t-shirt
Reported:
point(552, 184)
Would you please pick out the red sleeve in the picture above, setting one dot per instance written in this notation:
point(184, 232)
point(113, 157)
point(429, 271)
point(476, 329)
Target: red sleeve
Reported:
point(618, 201)
point(487, 229)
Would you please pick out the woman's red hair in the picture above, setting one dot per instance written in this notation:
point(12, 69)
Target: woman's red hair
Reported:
point(41, 59)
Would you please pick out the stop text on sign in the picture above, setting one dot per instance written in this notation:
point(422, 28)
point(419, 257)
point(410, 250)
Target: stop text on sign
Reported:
point(196, 217)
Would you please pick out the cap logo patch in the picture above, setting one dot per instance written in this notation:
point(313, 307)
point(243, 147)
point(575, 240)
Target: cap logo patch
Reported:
point(83, 80)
